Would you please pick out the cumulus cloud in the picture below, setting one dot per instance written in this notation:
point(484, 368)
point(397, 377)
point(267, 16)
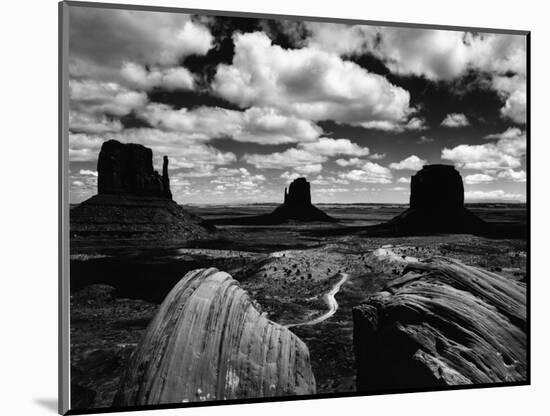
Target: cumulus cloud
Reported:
point(146, 37)
point(80, 122)
point(258, 125)
point(354, 161)
point(506, 152)
point(292, 158)
point(370, 173)
point(404, 180)
point(307, 157)
point(514, 90)
point(87, 172)
point(412, 162)
point(454, 120)
point(435, 54)
point(96, 97)
point(183, 151)
point(332, 147)
point(478, 178)
point(512, 175)
point(309, 83)
point(139, 77)
point(495, 195)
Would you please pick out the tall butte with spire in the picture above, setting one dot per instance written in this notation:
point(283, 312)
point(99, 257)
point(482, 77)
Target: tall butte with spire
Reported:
point(133, 202)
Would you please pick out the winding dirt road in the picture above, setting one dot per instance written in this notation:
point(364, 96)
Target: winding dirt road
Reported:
point(331, 303)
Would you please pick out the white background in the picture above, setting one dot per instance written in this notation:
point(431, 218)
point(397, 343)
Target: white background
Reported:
point(28, 207)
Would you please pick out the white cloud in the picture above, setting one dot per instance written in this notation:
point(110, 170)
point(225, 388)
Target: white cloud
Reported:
point(455, 120)
point(80, 122)
point(308, 83)
point(377, 156)
point(258, 125)
point(514, 90)
point(289, 176)
point(398, 189)
point(435, 54)
point(354, 161)
point(478, 178)
point(412, 162)
point(309, 169)
point(137, 76)
point(290, 158)
point(183, 151)
point(87, 172)
point(322, 180)
point(506, 152)
point(369, 173)
point(404, 180)
point(153, 38)
point(332, 147)
point(512, 175)
point(306, 158)
point(96, 97)
point(492, 195)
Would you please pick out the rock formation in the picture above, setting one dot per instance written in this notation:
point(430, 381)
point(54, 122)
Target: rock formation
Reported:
point(441, 323)
point(209, 342)
point(134, 203)
point(127, 169)
point(437, 205)
point(297, 206)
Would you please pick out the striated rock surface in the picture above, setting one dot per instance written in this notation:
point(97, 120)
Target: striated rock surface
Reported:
point(208, 341)
point(134, 203)
point(437, 205)
point(441, 323)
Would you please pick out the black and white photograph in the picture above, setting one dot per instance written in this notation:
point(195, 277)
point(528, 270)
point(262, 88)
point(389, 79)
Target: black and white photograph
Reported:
point(264, 208)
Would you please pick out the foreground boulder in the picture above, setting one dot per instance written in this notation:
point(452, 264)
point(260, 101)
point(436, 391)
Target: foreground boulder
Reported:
point(441, 323)
point(297, 207)
point(134, 203)
point(209, 342)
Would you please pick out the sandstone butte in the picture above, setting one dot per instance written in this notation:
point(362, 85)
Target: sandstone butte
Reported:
point(134, 202)
point(208, 341)
point(296, 207)
point(441, 323)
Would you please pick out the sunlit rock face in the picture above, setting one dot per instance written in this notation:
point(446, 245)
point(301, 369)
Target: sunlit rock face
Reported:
point(441, 323)
point(128, 169)
point(208, 341)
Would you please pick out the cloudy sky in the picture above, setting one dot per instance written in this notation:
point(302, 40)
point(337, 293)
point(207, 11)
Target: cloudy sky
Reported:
point(242, 106)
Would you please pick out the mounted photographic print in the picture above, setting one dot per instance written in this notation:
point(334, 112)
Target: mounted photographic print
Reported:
point(265, 208)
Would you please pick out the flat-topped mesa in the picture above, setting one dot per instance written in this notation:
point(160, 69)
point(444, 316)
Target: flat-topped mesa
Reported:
point(437, 187)
point(299, 193)
point(127, 169)
point(437, 205)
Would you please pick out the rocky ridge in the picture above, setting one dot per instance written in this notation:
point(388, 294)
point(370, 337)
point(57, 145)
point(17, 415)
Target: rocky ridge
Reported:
point(441, 323)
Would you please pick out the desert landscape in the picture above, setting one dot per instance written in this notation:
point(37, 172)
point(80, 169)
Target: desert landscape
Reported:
point(314, 279)
point(264, 208)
